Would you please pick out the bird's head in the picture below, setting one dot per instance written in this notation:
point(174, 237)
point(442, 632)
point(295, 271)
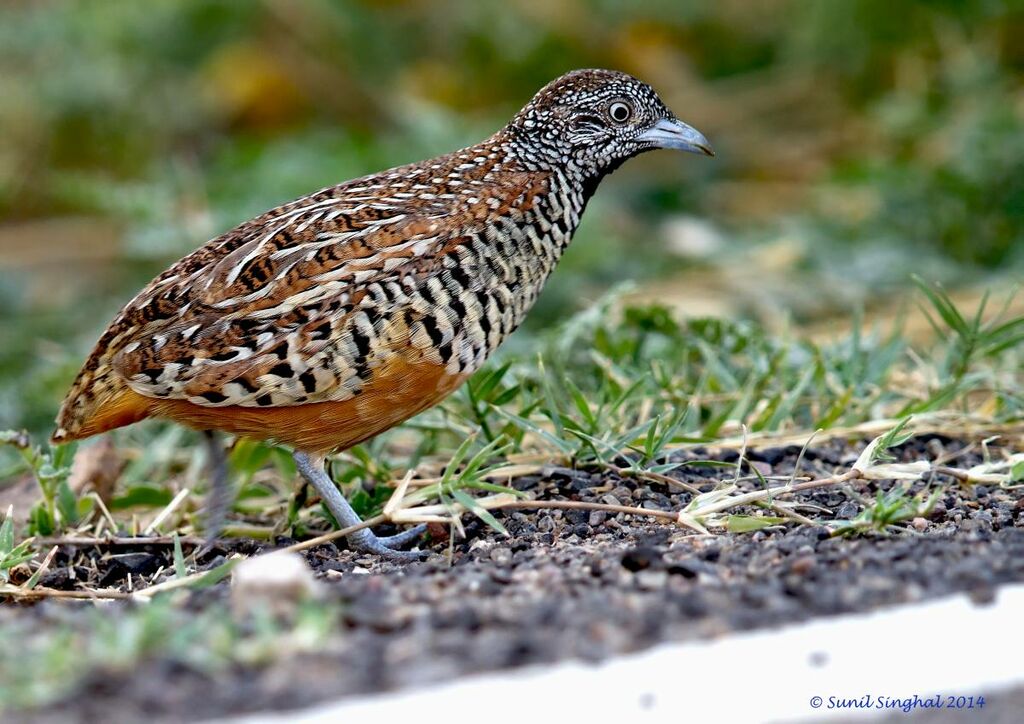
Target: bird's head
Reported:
point(594, 120)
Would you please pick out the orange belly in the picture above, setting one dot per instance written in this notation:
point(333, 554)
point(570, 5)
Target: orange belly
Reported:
point(391, 396)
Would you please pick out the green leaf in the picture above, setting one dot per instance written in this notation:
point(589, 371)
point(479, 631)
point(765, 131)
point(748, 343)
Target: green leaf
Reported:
point(179, 558)
point(944, 306)
point(528, 426)
point(489, 383)
point(20, 554)
point(708, 464)
point(549, 405)
point(493, 487)
point(748, 523)
point(247, 457)
point(479, 511)
point(494, 448)
point(507, 396)
point(581, 403)
point(217, 574)
point(7, 532)
point(64, 455)
point(460, 453)
point(784, 412)
point(893, 438)
point(67, 503)
point(142, 495)
point(40, 522)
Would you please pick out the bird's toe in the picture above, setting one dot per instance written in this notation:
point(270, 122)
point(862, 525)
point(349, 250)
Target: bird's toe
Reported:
point(406, 536)
point(387, 546)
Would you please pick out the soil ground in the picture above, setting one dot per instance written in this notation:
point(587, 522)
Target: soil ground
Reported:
point(570, 585)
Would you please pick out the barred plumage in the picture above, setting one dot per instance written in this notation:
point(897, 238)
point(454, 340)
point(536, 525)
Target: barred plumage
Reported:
point(332, 318)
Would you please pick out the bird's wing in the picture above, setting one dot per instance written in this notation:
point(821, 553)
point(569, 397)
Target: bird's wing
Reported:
point(304, 303)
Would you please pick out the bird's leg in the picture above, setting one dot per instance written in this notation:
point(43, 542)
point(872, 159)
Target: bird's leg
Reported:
point(220, 496)
point(312, 469)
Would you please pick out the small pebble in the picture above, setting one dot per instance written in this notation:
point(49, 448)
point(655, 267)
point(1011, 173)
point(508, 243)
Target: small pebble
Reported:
point(276, 581)
point(848, 510)
point(640, 558)
point(803, 565)
point(502, 556)
point(650, 580)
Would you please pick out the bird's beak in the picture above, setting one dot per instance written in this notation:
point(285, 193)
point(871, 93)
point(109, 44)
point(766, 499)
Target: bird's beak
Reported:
point(673, 133)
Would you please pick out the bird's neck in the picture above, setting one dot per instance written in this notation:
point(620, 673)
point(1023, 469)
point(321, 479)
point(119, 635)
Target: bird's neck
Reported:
point(520, 248)
point(569, 186)
point(584, 177)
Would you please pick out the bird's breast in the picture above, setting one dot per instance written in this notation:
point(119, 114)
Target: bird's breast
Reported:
point(486, 289)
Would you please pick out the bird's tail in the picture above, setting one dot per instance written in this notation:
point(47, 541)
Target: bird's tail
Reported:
point(98, 401)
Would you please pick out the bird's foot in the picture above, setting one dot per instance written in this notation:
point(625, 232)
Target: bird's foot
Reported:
point(387, 546)
point(312, 469)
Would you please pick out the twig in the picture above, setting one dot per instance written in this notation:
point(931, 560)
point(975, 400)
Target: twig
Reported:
point(104, 511)
point(166, 512)
point(18, 592)
point(791, 514)
point(116, 541)
point(169, 585)
point(962, 475)
point(747, 498)
point(43, 567)
point(957, 424)
point(241, 530)
point(800, 457)
point(395, 501)
point(743, 455)
point(333, 535)
point(580, 505)
point(654, 478)
point(511, 470)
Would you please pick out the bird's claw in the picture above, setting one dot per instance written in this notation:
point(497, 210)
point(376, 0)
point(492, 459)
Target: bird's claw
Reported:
point(387, 546)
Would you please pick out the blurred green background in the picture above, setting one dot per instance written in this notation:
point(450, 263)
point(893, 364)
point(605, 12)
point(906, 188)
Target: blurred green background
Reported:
point(858, 141)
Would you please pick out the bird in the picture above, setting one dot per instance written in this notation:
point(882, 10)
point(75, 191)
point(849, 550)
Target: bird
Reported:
point(329, 319)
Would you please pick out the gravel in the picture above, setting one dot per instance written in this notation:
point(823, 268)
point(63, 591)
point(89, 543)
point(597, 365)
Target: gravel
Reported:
point(575, 585)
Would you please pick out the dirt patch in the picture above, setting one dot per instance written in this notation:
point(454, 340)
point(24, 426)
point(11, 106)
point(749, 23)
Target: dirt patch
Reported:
point(567, 585)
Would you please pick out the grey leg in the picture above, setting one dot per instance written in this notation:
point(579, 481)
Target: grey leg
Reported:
point(220, 496)
point(312, 469)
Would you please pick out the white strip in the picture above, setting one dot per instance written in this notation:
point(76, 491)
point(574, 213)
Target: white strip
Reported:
point(257, 249)
point(946, 647)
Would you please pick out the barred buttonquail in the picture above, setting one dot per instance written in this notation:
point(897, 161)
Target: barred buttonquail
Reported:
point(334, 317)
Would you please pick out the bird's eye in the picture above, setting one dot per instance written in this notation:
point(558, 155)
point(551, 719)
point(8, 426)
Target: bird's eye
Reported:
point(620, 112)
